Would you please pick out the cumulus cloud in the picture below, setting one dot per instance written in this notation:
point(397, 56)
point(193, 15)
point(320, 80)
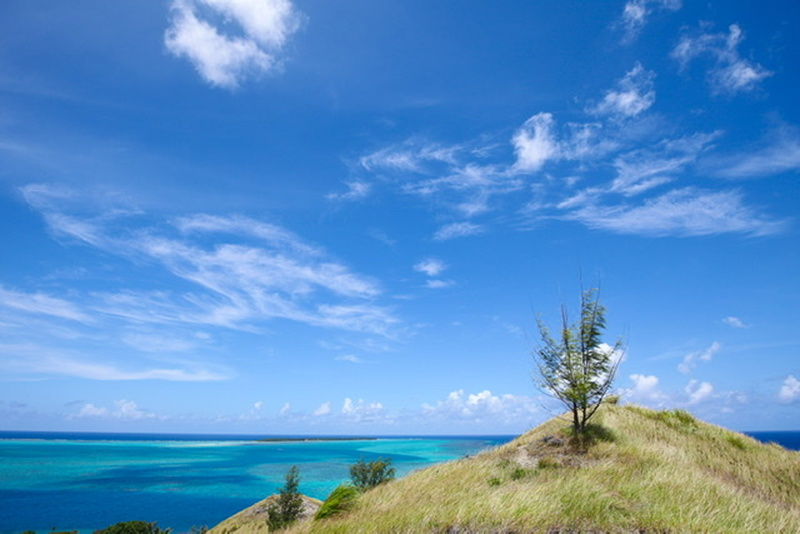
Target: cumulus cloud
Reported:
point(535, 143)
point(690, 360)
point(323, 409)
point(481, 407)
point(360, 411)
point(125, 410)
point(633, 95)
point(645, 390)
point(430, 266)
point(698, 391)
point(200, 31)
point(730, 73)
point(790, 389)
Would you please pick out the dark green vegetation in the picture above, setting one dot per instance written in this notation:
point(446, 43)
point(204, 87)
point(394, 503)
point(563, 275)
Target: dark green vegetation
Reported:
point(367, 475)
point(133, 527)
point(576, 367)
point(286, 510)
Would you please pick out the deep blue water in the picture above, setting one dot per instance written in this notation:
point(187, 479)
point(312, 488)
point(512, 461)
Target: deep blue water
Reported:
point(85, 482)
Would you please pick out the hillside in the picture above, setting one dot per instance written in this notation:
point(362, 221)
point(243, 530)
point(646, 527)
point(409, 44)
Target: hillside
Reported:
point(647, 471)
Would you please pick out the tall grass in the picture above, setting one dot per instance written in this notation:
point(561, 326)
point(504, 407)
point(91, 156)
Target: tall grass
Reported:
point(646, 471)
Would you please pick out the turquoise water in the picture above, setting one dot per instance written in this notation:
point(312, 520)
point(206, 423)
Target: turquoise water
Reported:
point(89, 482)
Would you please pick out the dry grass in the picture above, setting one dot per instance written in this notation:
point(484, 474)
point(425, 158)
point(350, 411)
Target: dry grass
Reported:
point(646, 471)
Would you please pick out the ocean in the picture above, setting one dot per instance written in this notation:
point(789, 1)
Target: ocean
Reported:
point(86, 482)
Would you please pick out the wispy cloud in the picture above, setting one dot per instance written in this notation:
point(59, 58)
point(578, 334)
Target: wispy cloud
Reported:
point(39, 303)
point(730, 73)
point(124, 410)
point(690, 360)
point(633, 95)
point(681, 212)
point(658, 185)
point(200, 30)
point(636, 12)
point(460, 229)
point(779, 152)
point(32, 359)
point(735, 322)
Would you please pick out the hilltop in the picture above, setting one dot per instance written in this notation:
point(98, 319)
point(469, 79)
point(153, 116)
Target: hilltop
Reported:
point(645, 471)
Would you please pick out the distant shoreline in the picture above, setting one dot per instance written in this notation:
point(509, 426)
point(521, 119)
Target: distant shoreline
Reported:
point(317, 438)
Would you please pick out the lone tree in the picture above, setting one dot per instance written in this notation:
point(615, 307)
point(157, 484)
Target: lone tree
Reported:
point(289, 505)
point(577, 368)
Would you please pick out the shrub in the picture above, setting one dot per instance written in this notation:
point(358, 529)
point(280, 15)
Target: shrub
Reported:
point(340, 500)
point(368, 475)
point(133, 527)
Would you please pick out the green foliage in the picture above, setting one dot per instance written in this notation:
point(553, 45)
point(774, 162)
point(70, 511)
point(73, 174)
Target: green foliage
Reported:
point(289, 504)
point(367, 475)
point(576, 367)
point(494, 481)
point(341, 499)
point(519, 473)
point(133, 527)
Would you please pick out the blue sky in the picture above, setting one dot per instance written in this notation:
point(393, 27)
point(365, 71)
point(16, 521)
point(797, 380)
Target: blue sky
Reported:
point(275, 216)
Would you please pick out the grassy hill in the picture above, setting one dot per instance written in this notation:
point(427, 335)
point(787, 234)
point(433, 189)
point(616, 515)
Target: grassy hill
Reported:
point(646, 471)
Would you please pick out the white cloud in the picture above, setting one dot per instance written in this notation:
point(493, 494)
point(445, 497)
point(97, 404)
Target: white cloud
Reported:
point(90, 410)
point(698, 391)
point(645, 390)
point(735, 322)
point(430, 266)
point(356, 190)
point(779, 153)
point(349, 358)
point(635, 14)
point(790, 390)
point(285, 409)
point(124, 410)
point(730, 73)
point(39, 303)
point(323, 409)
point(454, 230)
point(690, 360)
point(439, 284)
point(534, 143)
point(633, 95)
point(223, 59)
point(680, 212)
point(240, 282)
point(361, 411)
point(481, 407)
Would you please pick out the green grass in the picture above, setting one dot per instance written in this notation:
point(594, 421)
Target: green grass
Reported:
point(642, 470)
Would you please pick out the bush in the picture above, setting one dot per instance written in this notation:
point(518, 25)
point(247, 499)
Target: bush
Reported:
point(340, 500)
point(133, 527)
point(368, 475)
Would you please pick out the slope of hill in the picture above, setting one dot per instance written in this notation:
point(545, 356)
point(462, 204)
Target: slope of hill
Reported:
point(646, 471)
